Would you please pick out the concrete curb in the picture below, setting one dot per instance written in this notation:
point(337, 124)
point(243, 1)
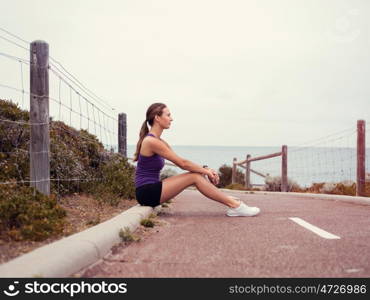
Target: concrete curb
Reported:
point(352, 199)
point(73, 253)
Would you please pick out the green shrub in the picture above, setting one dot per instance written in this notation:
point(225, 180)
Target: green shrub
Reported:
point(273, 183)
point(117, 175)
point(75, 154)
point(11, 111)
point(225, 174)
point(127, 236)
point(14, 145)
point(147, 222)
point(26, 214)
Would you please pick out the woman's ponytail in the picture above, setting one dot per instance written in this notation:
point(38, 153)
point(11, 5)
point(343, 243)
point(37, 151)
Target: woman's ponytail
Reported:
point(143, 132)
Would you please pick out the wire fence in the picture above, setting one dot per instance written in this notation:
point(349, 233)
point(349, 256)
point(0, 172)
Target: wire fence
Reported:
point(75, 114)
point(328, 159)
point(324, 162)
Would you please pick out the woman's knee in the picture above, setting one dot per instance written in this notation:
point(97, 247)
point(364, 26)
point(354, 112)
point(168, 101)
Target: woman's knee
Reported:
point(196, 176)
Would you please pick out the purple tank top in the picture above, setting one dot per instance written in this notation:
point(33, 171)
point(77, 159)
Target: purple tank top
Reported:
point(148, 169)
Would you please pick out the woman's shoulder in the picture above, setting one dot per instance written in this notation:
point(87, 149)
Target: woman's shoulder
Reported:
point(150, 145)
point(152, 141)
point(146, 146)
point(165, 143)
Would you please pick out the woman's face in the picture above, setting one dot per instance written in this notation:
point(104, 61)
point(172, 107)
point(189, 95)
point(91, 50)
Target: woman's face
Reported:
point(165, 119)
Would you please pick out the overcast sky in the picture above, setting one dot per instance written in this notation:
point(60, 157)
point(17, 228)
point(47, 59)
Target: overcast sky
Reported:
point(233, 73)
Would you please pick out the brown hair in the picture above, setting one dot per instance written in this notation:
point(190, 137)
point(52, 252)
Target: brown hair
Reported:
point(156, 109)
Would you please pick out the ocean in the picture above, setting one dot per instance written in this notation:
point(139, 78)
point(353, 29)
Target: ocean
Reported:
point(306, 165)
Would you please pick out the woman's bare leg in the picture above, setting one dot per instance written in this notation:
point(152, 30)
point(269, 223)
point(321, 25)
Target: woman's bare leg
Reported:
point(174, 185)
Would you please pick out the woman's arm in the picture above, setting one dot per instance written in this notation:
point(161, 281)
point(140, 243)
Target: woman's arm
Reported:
point(163, 149)
point(193, 167)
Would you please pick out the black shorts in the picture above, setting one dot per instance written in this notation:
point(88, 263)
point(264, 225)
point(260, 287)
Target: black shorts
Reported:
point(149, 194)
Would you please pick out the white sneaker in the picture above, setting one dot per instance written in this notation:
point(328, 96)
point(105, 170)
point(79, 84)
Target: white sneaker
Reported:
point(243, 210)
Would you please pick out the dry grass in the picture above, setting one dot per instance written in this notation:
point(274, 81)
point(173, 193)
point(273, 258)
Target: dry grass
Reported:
point(336, 189)
point(82, 212)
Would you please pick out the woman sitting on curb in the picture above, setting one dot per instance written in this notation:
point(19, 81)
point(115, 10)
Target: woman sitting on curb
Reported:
point(150, 153)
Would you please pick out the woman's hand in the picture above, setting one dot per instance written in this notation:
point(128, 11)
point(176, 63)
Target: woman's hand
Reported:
point(212, 176)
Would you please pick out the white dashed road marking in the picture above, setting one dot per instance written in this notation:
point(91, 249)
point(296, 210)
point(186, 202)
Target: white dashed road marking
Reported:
point(317, 230)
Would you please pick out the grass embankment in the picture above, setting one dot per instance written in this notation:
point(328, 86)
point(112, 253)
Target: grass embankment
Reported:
point(105, 178)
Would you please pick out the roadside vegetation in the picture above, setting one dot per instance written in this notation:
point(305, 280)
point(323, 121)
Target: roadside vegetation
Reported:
point(79, 165)
point(273, 183)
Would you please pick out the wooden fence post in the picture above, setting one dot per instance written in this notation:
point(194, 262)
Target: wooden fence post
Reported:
point(248, 173)
point(39, 117)
point(233, 174)
point(361, 155)
point(122, 134)
point(284, 168)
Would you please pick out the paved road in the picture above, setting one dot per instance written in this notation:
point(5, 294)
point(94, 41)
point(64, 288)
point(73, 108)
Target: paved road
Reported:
point(199, 240)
